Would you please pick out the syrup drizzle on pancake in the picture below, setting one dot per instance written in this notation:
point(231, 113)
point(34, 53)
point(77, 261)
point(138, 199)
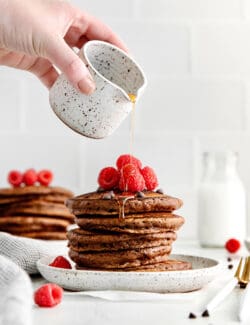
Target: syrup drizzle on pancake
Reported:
point(121, 201)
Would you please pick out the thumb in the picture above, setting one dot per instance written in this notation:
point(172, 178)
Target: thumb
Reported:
point(60, 54)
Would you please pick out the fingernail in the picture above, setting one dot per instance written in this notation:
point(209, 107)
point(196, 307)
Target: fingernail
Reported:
point(87, 85)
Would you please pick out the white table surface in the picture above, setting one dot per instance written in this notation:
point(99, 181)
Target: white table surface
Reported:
point(81, 310)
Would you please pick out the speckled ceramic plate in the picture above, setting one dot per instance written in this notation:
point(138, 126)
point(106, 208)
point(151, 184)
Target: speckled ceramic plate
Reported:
point(204, 271)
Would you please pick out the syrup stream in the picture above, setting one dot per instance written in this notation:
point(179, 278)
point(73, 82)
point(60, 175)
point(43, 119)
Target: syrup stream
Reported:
point(122, 201)
point(132, 124)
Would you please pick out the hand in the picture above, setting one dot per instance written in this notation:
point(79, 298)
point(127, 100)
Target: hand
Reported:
point(38, 35)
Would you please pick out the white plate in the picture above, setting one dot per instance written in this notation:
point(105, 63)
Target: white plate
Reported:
point(204, 271)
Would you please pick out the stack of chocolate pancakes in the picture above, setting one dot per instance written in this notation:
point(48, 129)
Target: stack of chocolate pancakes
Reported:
point(123, 232)
point(35, 211)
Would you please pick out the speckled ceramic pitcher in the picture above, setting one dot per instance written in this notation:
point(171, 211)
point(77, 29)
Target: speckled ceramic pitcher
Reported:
point(116, 76)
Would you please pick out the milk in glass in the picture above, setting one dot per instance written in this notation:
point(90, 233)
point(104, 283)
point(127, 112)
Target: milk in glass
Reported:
point(221, 200)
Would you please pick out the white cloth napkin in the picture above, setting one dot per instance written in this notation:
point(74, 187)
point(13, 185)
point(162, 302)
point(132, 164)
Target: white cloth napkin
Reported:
point(25, 252)
point(18, 255)
point(15, 294)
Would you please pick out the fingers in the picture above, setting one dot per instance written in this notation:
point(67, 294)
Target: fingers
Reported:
point(42, 68)
point(45, 71)
point(60, 54)
point(99, 31)
point(49, 77)
point(92, 29)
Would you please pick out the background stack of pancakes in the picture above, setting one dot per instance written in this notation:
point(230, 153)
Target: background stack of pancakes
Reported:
point(35, 211)
point(124, 232)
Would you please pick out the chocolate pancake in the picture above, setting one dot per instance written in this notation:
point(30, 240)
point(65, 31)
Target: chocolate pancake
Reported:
point(169, 265)
point(124, 231)
point(18, 223)
point(96, 203)
point(121, 259)
point(35, 211)
point(81, 242)
point(37, 207)
point(37, 190)
point(48, 235)
point(55, 198)
point(33, 228)
point(80, 236)
point(136, 223)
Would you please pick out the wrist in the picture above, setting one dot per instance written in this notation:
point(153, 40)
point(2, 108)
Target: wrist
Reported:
point(4, 18)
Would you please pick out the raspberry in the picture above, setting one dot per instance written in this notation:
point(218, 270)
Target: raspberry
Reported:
point(61, 262)
point(15, 178)
point(128, 170)
point(150, 178)
point(48, 295)
point(108, 178)
point(232, 245)
point(45, 177)
point(131, 179)
point(127, 159)
point(30, 177)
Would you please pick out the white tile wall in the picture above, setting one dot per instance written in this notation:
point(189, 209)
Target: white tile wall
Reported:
point(196, 55)
point(222, 48)
point(58, 153)
point(10, 94)
point(189, 10)
point(157, 47)
point(192, 104)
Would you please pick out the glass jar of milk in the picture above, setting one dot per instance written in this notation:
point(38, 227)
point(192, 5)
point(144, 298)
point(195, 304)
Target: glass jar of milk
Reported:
point(221, 200)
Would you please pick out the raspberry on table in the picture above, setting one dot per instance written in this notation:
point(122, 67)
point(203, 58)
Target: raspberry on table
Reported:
point(128, 159)
point(45, 177)
point(150, 178)
point(15, 178)
point(108, 178)
point(232, 245)
point(48, 295)
point(30, 177)
point(61, 262)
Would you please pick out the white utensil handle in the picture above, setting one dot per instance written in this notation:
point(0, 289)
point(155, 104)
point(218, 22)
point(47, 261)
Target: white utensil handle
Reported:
point(244, 304)
point(222, 294)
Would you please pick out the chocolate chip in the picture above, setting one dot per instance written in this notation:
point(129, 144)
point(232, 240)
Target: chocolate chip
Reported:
point(205, 313)
point(160, 191)
point(107, 196)
point(140, 194)
point(191, 315)
point(230, 266)
point(229, 259)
